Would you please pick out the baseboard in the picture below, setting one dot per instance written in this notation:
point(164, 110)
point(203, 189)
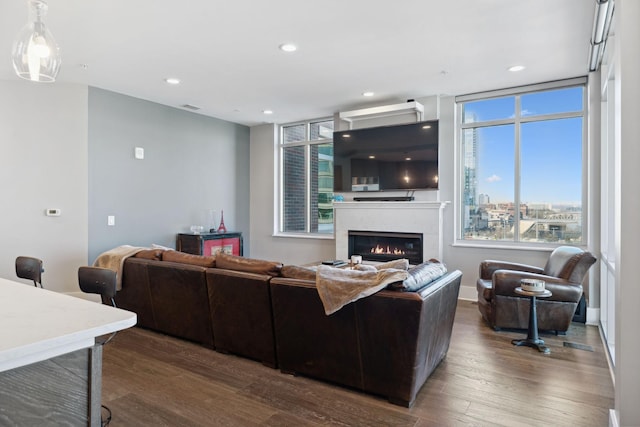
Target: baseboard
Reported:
point(613, 420)
point(468, 293)
point(593, 316)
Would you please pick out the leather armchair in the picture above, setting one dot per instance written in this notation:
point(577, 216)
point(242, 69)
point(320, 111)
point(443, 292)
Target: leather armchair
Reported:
point(563, 273)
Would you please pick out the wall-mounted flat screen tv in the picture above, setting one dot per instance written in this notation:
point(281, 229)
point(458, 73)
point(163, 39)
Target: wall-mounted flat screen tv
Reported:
point(399, 157)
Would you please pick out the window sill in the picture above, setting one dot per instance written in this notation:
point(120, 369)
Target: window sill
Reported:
point(516, 246)
point(317, 236)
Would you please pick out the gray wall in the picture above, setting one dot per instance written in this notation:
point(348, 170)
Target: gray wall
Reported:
point(191, 163)
point(43, 152)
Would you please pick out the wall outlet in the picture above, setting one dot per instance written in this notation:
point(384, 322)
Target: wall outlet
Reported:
point(111, 220)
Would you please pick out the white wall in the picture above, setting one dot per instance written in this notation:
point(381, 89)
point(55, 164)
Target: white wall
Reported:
point(43, 164)
point(300, 250)
point(627, 130)
point(264, 245)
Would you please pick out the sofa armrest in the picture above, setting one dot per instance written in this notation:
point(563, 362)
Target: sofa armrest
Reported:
point(488, 267)
point(506, 281)
point(403, 336)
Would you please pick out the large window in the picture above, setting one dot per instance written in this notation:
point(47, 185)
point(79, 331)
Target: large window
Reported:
point(306, 164)
point(522, 164)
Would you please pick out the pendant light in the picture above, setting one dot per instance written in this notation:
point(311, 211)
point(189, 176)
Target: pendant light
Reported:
point(35, 54)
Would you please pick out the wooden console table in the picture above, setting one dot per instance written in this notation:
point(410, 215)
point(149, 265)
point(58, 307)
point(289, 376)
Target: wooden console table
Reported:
point(210, 243)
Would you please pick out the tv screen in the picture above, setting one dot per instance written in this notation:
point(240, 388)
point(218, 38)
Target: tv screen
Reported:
point(400, 157)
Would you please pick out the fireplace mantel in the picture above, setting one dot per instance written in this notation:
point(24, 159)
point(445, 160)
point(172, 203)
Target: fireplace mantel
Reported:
point(403, 217)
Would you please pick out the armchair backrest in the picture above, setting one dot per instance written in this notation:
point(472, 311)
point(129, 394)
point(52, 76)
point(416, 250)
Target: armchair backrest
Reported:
point(569, 263)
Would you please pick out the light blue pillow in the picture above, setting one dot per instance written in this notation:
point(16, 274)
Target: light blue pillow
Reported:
point(421, 275)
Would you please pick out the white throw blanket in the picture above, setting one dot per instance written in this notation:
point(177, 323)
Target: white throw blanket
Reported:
point(338, 287)
point(113, 259)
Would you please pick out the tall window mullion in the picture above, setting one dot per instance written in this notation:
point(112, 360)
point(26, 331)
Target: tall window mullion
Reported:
point(518, 163)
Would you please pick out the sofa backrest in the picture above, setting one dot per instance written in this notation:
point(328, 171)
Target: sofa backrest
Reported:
point(387, 343)
point(169, 297)
point(569, 263)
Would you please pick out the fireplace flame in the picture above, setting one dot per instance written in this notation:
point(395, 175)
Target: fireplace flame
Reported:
point(382, 250)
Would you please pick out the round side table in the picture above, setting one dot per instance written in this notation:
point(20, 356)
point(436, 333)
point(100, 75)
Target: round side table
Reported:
point(532, 339)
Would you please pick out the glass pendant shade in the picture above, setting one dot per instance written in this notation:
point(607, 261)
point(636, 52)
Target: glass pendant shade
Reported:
point(35, 54)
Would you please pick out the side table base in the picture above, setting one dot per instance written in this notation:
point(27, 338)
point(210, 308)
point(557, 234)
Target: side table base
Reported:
point(539, 344)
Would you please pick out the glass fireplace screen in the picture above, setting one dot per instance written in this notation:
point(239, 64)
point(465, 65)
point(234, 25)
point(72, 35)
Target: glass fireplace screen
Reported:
point(386, 246)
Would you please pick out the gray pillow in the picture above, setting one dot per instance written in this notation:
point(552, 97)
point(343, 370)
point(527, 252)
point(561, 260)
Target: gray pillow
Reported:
point(421, 275)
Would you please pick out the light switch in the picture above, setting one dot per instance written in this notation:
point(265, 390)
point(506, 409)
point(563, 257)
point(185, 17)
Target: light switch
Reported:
point(52, 212)
point(139, 153)
point(111, 220)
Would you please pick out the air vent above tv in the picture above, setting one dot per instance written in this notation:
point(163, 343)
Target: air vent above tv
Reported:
point(384, 111)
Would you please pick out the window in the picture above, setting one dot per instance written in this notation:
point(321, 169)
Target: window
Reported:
point(306, 160)
point(522, 160)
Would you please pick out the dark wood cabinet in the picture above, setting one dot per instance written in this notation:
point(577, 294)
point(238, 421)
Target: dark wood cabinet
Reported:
point(210, 243)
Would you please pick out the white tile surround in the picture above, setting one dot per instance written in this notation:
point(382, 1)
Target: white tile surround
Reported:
point(403, 217)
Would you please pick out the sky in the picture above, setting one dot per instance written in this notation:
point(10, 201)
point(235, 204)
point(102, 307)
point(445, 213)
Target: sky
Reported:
point(551, 150)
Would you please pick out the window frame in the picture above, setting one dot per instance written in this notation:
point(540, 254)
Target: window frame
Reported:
point(307, 143)
point(517, 121)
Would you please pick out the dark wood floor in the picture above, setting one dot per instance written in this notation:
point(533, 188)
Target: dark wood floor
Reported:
point(155, 380)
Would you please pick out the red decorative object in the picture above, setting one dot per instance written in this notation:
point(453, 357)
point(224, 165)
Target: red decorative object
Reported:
point(222, 228)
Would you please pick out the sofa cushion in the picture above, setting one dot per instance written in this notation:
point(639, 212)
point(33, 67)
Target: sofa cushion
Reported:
point(183, 258)
point(153, 254)
point(297, 272)
point(249, 265)
point(421, 275)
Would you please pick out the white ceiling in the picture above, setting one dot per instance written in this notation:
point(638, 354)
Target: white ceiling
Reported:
point(227, 56)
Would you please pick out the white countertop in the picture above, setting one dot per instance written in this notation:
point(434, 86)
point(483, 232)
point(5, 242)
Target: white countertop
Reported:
point(37, 324)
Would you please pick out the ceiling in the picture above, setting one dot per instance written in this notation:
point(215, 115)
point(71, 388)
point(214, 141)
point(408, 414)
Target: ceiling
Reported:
point(228, 58)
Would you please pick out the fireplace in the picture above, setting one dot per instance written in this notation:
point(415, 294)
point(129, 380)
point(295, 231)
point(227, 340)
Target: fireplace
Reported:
point(386, 246)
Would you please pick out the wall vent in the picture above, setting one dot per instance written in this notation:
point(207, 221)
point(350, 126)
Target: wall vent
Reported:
point(190, 107)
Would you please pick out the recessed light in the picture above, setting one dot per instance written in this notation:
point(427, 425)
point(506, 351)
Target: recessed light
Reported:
point(346, 135)
point(288, 47)
point(368, 93)
point(407, 158)
point(267, 111)
point(516, 68)
point(372, 157)
point(426, 127)
point(172, 81)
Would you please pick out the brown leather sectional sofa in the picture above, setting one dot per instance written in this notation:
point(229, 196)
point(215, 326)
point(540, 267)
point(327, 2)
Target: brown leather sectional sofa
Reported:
point(386, 344)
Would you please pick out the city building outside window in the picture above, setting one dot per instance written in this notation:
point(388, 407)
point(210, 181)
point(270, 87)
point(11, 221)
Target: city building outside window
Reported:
point(522, 161)
point(306, 178)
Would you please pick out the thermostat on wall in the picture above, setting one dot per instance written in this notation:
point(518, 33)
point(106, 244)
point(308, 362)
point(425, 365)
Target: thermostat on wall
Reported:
point(52, 212)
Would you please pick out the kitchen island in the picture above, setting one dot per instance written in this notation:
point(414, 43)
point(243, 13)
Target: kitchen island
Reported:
point(50, 366)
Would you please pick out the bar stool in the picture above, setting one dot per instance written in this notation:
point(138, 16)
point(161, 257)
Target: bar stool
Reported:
point(30, 268)
point(101, 281)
